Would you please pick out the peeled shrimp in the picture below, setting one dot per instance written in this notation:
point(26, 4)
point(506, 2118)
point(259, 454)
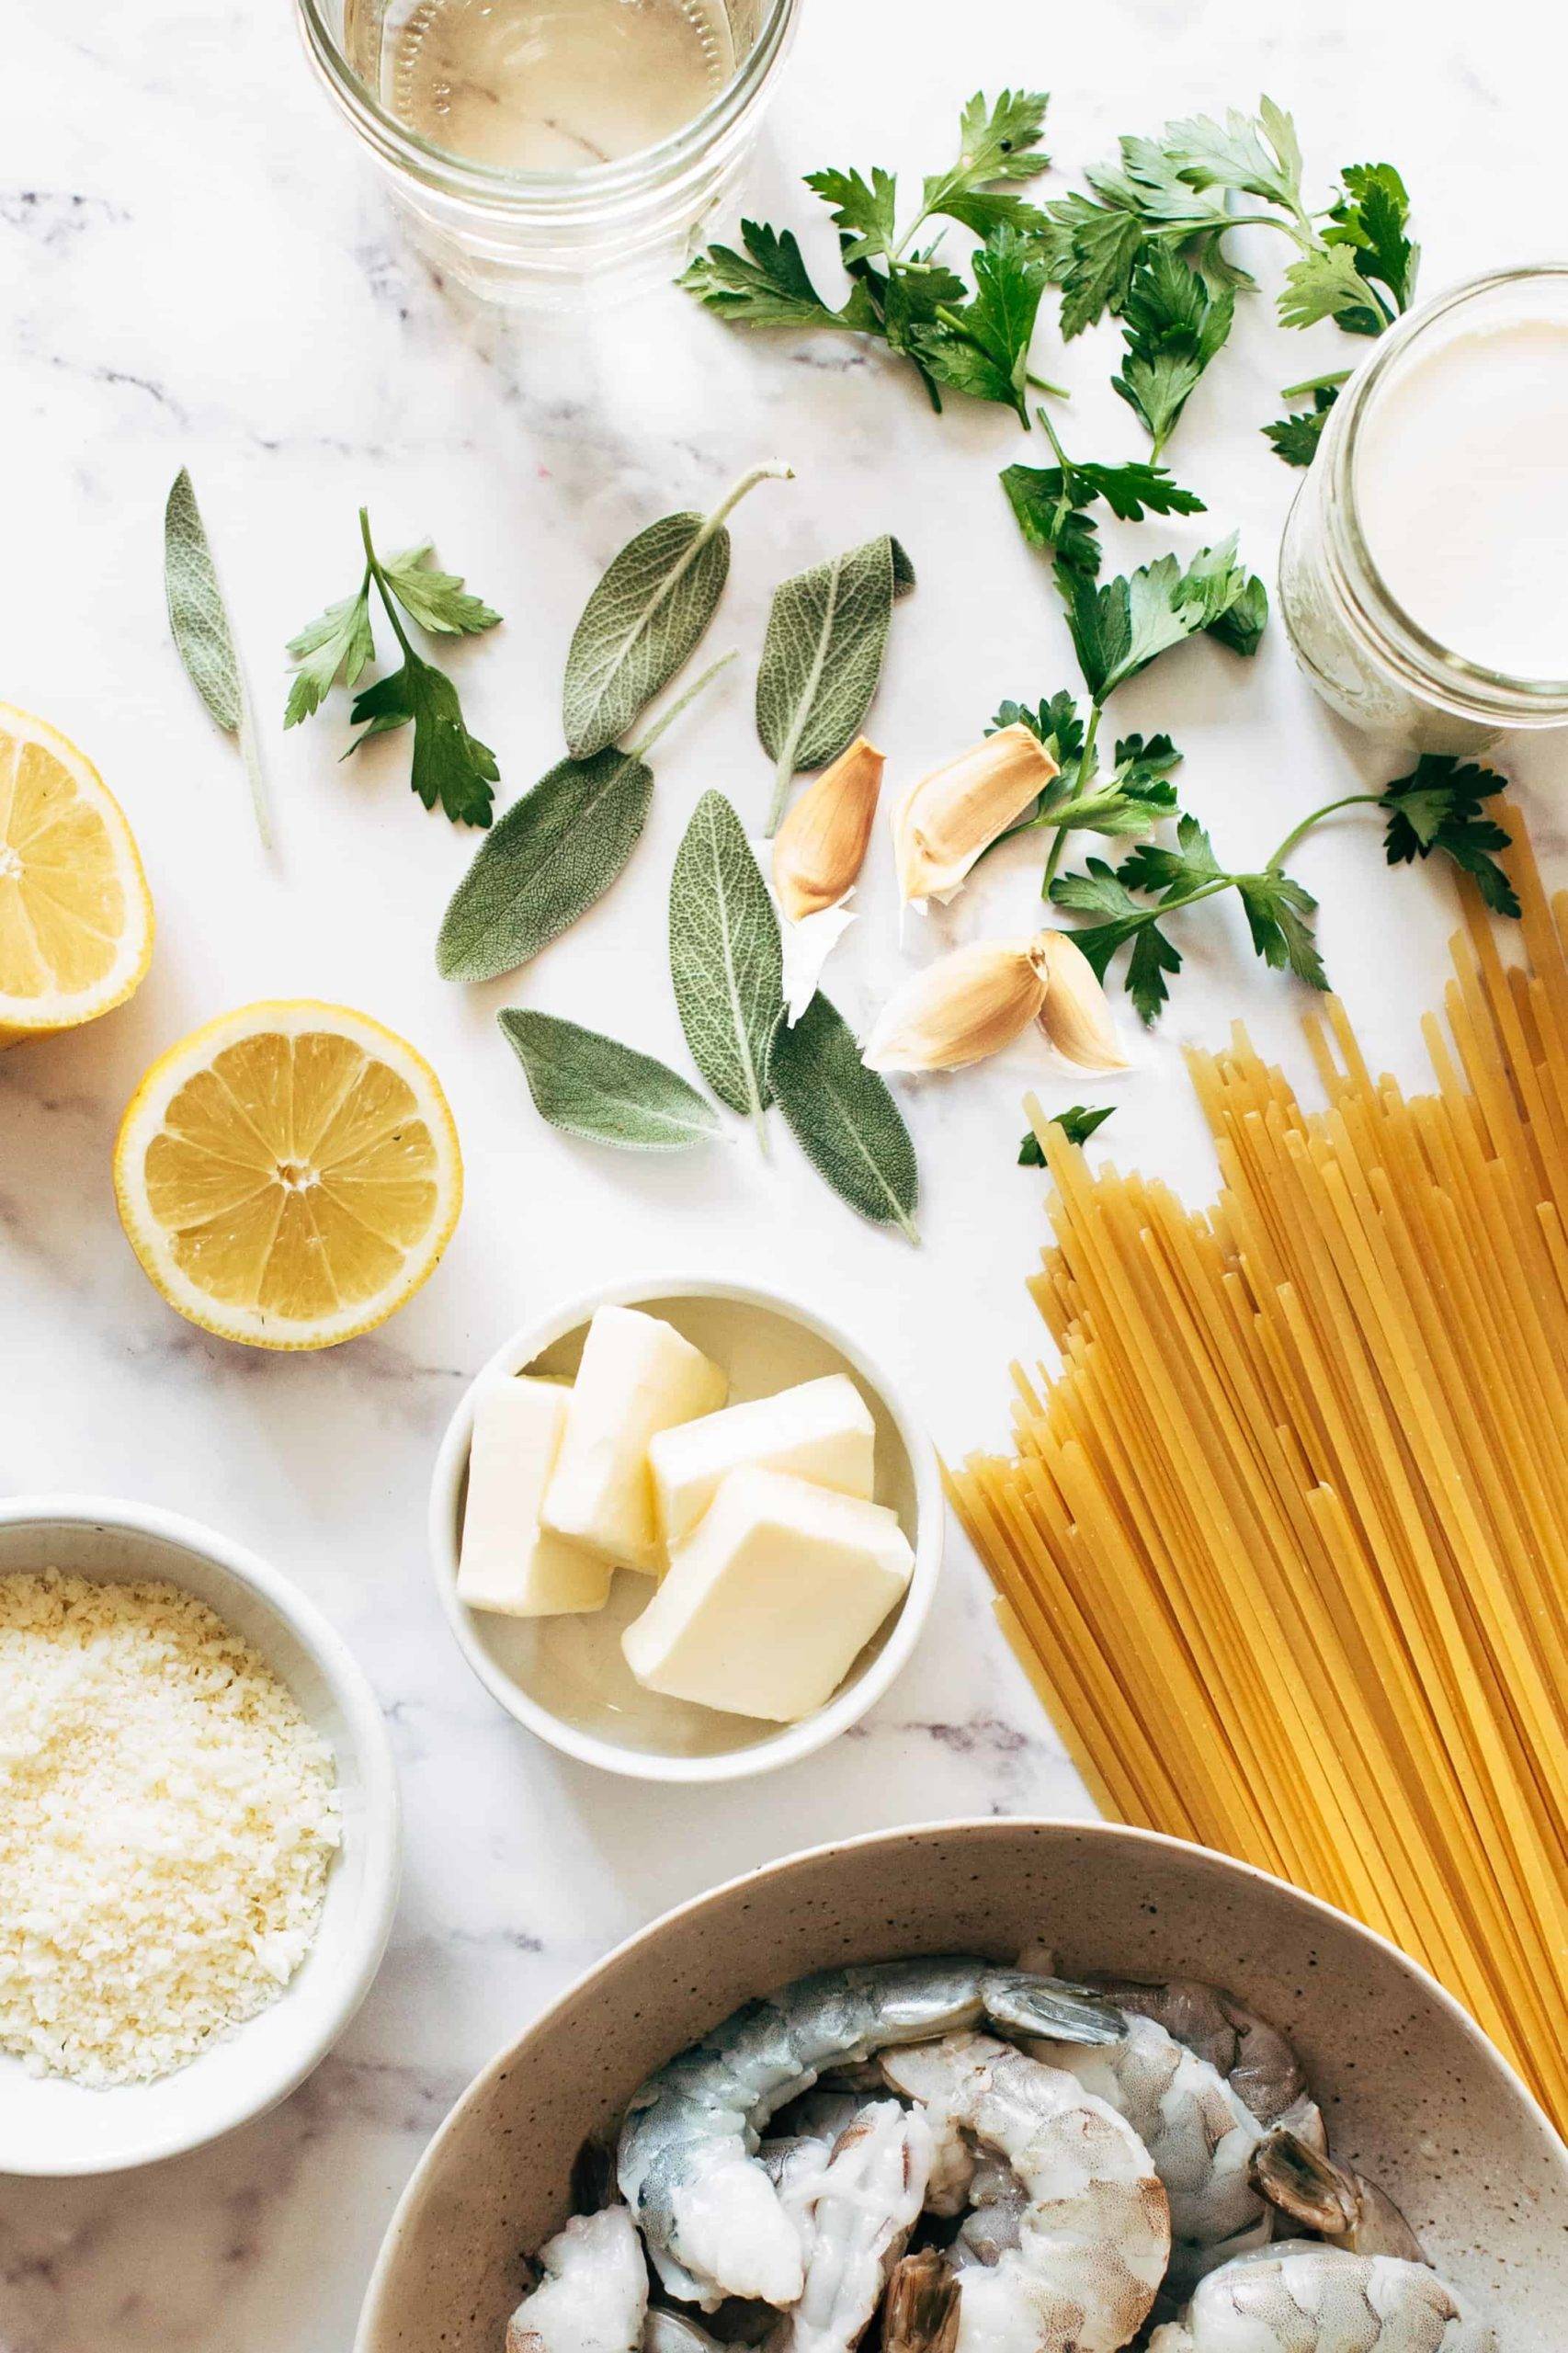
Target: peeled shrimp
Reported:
point(1298, 2297)
point(866, 2200)
point(1095, 2234)
point(1200, 2133)
point(713, 2221)
point(594, 2295)
point(1254, 2057)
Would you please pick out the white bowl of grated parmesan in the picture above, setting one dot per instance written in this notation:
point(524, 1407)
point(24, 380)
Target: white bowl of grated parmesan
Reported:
point(199, 1836)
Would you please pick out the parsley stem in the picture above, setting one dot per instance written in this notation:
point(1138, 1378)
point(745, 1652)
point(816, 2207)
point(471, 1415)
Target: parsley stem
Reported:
point(639, 750)
point(1330, 382)
point(373, 572)
point(1086, 756)
point(1065, 814)
point(1299, 833)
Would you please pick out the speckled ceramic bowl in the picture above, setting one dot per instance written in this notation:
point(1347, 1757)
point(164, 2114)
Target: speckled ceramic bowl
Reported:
point(1413, 2093)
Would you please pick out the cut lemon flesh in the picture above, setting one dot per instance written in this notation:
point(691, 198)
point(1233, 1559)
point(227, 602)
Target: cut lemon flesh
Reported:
point(75, 917)
point(290, 1174)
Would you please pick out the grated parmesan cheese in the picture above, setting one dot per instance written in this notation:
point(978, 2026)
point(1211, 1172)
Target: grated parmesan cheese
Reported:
point(167, 1821)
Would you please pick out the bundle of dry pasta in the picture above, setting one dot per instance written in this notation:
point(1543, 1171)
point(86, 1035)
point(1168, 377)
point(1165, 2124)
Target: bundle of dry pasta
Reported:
point(1285, 1544)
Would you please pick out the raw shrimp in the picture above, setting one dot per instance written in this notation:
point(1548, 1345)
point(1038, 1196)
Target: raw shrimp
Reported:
point(1298, 2297)
point(1331, 2199)
point(867, 2201)
point(594, 2295)
point(1254, 2057)
point(1094, 2235)
point(855, 2199)
point(1200, 2134)
point(687, 2163)
point(996, 2201)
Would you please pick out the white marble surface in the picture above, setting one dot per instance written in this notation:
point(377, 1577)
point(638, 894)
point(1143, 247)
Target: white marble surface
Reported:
point(195, 267)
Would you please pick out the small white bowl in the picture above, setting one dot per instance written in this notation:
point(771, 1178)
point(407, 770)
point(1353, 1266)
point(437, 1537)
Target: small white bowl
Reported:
point(50, 2125)
point(564, 1678)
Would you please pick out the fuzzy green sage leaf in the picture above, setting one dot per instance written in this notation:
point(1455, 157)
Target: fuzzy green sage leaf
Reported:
point(821, 658)
point(646, 618)
point(202, 636)
point(588, 1085)
point(554, 853)
point(844, 1118)
point(726, 959)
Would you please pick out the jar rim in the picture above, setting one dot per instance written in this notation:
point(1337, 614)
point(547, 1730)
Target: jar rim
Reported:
point(1402, 639)
point(502, 189)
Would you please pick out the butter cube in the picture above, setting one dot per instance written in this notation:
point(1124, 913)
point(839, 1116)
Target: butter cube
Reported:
point(638, 1377)
point(820, 1430)
point(768, 1604)
point(509, 1563)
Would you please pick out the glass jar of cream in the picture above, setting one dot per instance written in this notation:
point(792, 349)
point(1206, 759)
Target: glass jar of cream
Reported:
point(542, 148)
point(1424, 573)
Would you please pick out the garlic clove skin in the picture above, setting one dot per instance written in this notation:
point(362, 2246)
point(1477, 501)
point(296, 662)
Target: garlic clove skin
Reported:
point(966, 1005)
point(807, 946)
point(1075, 1016)
point(819, 849)
point(945, 822)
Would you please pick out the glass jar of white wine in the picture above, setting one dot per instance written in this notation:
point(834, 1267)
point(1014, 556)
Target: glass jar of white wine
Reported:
point(538, 148)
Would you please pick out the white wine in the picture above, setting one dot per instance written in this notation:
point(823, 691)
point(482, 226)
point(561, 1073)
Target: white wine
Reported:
point(555, 84)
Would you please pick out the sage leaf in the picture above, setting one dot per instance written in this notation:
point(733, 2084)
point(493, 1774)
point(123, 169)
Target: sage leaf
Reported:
point(645, 617)
point(726, 960)
point(822, 657)
point(202, 636)
point(844, 1118)
point(591, 1086)
point(553, 854)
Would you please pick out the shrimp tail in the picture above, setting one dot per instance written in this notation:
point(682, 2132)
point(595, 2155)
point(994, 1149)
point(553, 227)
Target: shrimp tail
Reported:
point(1337, 2204)
point(1047, 2010)
point(920, 2310)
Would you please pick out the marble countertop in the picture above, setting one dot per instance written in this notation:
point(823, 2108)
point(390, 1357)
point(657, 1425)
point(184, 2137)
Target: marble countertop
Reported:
point(197, 269)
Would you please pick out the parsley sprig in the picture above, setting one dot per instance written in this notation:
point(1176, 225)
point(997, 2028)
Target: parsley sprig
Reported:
point(1437, 808)
point(1117, 627)
point(902, 293)
point(1146, 243)
point(450, 766)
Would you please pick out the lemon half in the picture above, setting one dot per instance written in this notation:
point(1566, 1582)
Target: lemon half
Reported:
point(76, 916)
point(290, 1174)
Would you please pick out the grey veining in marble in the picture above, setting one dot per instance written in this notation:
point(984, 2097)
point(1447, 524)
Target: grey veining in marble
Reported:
point(195, 268)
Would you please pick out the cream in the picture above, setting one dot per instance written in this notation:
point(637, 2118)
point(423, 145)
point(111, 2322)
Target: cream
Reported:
point(1461, 489)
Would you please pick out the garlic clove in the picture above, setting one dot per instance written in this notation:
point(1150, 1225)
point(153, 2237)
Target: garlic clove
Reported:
point(820, 847)
point(966, 1005)
point(945, 822)
point(1075, 1016)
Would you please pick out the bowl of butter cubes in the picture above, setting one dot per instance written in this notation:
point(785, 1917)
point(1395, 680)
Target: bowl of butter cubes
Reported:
point(685, 1529)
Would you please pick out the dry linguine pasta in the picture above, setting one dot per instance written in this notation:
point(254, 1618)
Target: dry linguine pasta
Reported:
point(1284, 1545)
